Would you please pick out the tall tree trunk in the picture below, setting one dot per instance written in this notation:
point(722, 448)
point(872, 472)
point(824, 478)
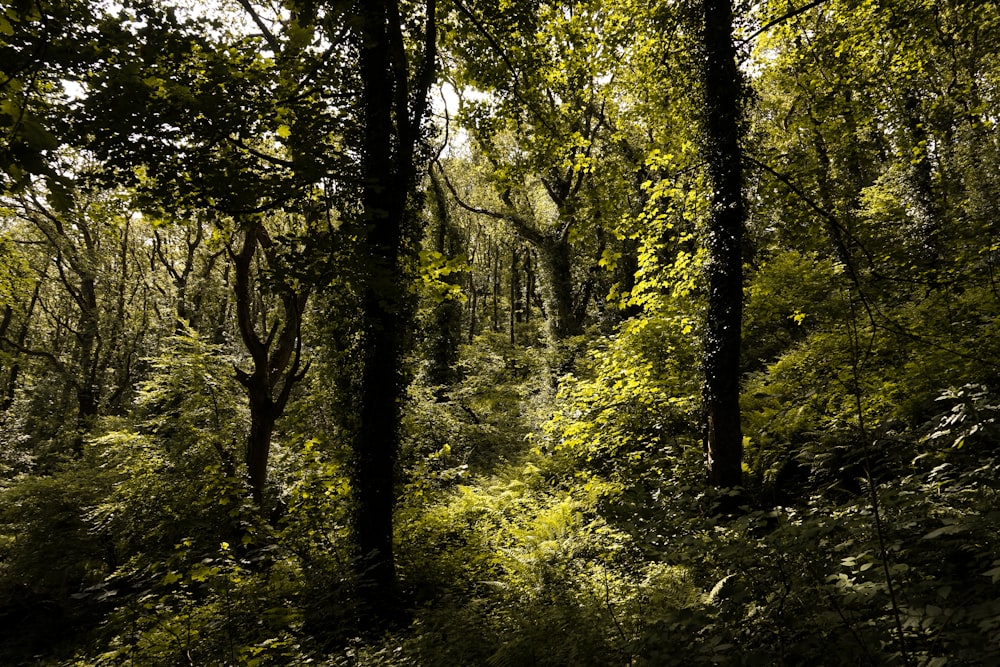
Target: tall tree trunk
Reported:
point(88, 390)
point(263, 417)
point(922, 181)
point(529, 286)
point(381, 383)
point(721, 127)
point(495, 253)
point(10, 390)
point(515, 314)
point(393, 110)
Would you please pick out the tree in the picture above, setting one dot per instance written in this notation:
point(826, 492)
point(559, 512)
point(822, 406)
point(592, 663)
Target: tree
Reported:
point(722, 133)
point(244, 164)
point(40, 44)
point(393, 105)
point(329, 123)
point(185, 250)
point(94, 315)
point(446, 316)
point(276, 356)
point(544, 123)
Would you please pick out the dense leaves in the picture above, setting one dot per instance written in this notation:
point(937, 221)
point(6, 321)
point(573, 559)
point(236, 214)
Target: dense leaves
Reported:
point(299, 365)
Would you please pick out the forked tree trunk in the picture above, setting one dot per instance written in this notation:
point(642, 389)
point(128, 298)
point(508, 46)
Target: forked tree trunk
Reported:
point(275, 357)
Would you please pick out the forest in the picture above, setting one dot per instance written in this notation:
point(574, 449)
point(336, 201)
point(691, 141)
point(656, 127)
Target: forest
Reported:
point(500, 333)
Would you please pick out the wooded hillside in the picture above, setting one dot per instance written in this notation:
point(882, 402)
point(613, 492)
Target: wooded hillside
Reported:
point(499, 332)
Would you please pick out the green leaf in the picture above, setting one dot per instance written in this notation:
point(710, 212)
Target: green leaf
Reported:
point(171, 577)
point(945, 530)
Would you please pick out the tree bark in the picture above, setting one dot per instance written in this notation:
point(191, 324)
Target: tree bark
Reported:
point(514, 315)
point(393, 110)
point(448, 313)
point(556, 265)
point(721, 128)
point(275, 358)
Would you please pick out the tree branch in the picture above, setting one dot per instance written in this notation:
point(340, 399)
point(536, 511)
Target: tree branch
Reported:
point(781, 19)
point(265, 31)
point(516, 90)
point(521, 226)
point(428, 67)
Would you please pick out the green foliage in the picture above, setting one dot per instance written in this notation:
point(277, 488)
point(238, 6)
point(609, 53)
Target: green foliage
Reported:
point(482, 421)
point(437, 274)
point(314, 535)
point(972, 417)
point(175, 474)
point(208, 607)
point(190, 397)
point(526, 576)
point(49, 552)
point(635, 415)
point(552, 507)
point(789, 294)
point(47, 538)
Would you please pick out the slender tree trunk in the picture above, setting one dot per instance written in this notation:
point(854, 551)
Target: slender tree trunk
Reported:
point(471, 335)
point(834, 230)
point(88, 391)
point(529, 286)
point(515, 294)
point(447, 314)
point(275, 357)
point(495, 279)
point(721, 135)
point(473, 304)
point(922, 179)
point(10, 390)
point(11, 379)
point(222, 312)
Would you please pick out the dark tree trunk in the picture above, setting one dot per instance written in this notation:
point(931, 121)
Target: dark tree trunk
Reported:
point(473, 309)
point(447, 314)
point(834, 226)
point(10, 385)
point(88, 390)
point(263, 418)
point(377, 442)
point(529, 285)
point(721, 129)
point(515, 295)
point(922, 179)
point(556, 265)
point(495, 255)
point(17, 345)
point(275, 358)
point(393, 110)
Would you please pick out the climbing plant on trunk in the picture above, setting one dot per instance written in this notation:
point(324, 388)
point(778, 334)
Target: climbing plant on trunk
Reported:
point(393, 106)
point(721, 135)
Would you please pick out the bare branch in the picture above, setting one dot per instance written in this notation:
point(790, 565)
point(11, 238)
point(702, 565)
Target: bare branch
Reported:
point(265, 31)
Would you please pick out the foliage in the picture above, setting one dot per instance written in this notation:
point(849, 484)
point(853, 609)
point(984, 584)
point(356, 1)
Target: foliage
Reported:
point(548, 485)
